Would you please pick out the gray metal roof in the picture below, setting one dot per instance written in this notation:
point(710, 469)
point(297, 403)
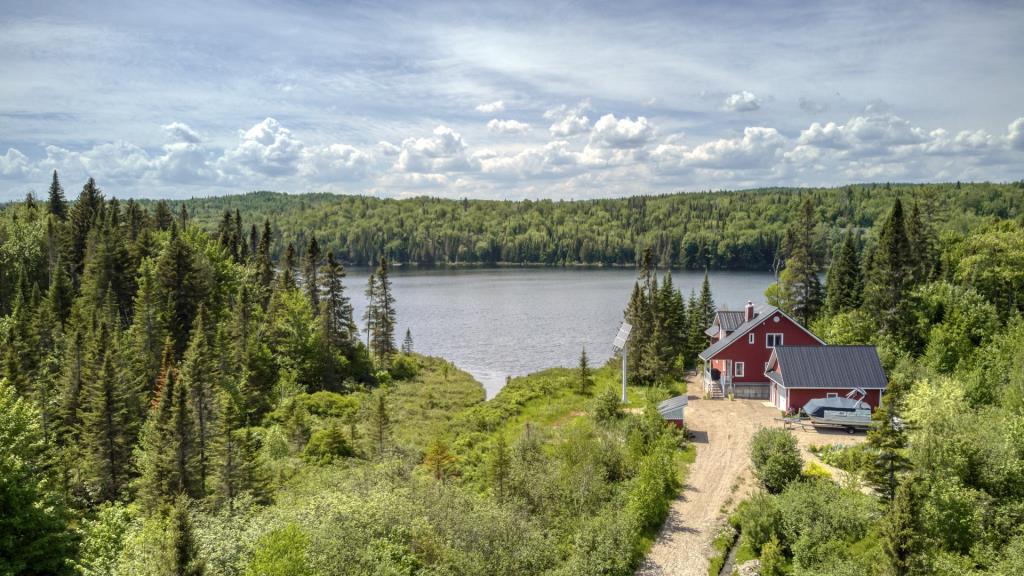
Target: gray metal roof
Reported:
point(830, 367)
point(760, 311)
point(672, 404)
point(712, 332)
point(731, 319)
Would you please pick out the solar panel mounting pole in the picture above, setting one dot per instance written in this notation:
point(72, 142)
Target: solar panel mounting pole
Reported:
point(620, 344)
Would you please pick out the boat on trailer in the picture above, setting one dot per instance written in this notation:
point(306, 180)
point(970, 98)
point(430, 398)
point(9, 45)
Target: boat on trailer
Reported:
point(849, 412)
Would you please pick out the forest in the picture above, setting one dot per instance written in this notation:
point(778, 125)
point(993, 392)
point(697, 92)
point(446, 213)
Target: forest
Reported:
point(707, 230)
point(185, 390)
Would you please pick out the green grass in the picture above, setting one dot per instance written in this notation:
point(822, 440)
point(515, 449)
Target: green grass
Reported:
point(423, 408)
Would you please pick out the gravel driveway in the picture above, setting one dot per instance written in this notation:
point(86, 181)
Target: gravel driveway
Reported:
point(719, 477)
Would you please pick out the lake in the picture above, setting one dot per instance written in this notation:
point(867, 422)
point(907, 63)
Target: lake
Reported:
point(494, 323)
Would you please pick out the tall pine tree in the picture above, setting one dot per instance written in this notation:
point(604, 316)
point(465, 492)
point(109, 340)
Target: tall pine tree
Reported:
point(844, 283)
point(890, 278)
point(58, 205)
point(800, 290)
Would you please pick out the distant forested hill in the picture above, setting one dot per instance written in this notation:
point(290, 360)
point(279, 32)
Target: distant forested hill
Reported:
point(720, 230)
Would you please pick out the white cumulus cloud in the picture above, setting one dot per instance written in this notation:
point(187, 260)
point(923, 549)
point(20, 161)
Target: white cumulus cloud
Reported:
point(491, 107)
point(612, 132)
point(14, 163)
point(508, 126)
point(444, 151)
point(741, 102)
point(267, 148)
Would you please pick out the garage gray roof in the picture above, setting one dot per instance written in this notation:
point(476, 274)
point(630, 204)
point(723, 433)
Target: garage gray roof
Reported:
point(830, 367)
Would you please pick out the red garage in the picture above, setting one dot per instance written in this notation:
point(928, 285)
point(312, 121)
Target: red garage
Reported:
point(799, 374)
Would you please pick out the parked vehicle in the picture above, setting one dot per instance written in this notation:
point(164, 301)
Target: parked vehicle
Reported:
point(849, 412)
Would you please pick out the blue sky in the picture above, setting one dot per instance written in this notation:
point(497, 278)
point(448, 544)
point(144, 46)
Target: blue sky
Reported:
point(521, 100)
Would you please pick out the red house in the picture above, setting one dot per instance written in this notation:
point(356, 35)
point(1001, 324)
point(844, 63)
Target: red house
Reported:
point(741, 345)
point(799, 374)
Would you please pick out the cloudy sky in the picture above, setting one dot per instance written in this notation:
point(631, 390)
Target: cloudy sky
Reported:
point(549, 99)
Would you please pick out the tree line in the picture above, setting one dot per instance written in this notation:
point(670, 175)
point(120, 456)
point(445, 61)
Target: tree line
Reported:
point(707, 230)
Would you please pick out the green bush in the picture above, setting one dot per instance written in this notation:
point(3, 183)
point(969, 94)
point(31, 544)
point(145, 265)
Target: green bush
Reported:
point(772, 560)
point(281, 553)
point(606, 405)
point(759, 520)
point(403, 367)
point(327, 444)
point(775, 458)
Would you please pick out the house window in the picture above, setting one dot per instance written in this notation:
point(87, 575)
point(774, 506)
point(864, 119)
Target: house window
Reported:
point(774, 339)
point(738, 370)
point(750, 338)
point(832, 395)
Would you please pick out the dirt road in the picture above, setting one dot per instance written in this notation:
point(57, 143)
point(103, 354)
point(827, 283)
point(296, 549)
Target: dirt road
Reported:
point(719, 477)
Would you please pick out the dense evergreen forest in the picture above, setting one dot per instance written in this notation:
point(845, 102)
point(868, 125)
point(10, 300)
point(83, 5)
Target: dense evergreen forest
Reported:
point(721, 230)
point(184, 390)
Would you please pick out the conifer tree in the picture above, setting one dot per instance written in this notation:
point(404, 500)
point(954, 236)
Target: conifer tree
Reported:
point(889, 280)
point(380, 315)
point(407, 342)
point(81, 218)
point(584, 373)
point(266, 267)
point(800, 288)
point(58, 205)
point(922, 242)
point(705, 304)
point(167, 459)
point(237, 467)
point(162, 216)
point(697, 339)
point(887, 441)
point(338, 321)
point(179, 288)
point(311, 269)
point(900, 532)
point(106, 443)
point(59, 295)
point(181, 547)
point(636, 315)
point(287, 279)
point(379, 422)
point(844, 283)
point(199, 375)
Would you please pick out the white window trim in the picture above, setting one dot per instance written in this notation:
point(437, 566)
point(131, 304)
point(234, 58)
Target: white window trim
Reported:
point(738, 369)
point(831, 395)
point(778, 339)
point(750, 338)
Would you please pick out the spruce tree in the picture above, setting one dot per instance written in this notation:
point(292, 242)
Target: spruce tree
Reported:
point(706, 304)
point(844, 284)
point(179, 288)
point(887, 442)
point(900, 532)
point(636, 315)
point(311, 269)
point(58, 205)
point(923, 249)
point(584, 373)
point(890, 277)
point(287, 279)
point(800, 289)
point(381, 322)
point(162, 216)
point(237, 467)
point(338, 315)
point(81, 218)
point(167, 459)
point(106, 444)
point(407, 342)
point(378, 422)
point(181, 548)
point(500, 469)
point(266, 267)
point(697, 339)
point(199, 375)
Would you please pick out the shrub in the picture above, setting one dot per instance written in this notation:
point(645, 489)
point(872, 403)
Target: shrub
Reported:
point(327, 444)
point(403, 367)
point(772, 560)
point(759, 520)
point(606, 405)
point(281, 553)
point(815, 470)
point(776, 458)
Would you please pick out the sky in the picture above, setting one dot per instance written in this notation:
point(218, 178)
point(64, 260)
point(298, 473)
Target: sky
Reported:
point(563, 100)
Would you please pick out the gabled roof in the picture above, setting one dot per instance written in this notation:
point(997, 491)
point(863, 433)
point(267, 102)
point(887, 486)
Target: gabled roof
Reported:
point(730, 320)
point(828, 367)
point(712, 332)
point(666, 407)
point(761, 313)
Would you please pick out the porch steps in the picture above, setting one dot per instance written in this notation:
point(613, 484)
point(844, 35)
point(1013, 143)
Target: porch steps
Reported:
point(715, 391)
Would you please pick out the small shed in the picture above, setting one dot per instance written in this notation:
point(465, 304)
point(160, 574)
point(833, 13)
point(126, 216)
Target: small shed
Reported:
point(672, 410)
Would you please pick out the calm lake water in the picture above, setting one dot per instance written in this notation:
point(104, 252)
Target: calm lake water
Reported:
point(513, 321)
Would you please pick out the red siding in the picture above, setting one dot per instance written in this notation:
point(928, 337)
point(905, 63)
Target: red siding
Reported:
point(798, 397)
point(755, 355)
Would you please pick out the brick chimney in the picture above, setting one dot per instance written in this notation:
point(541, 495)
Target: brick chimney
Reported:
point(748, 313)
